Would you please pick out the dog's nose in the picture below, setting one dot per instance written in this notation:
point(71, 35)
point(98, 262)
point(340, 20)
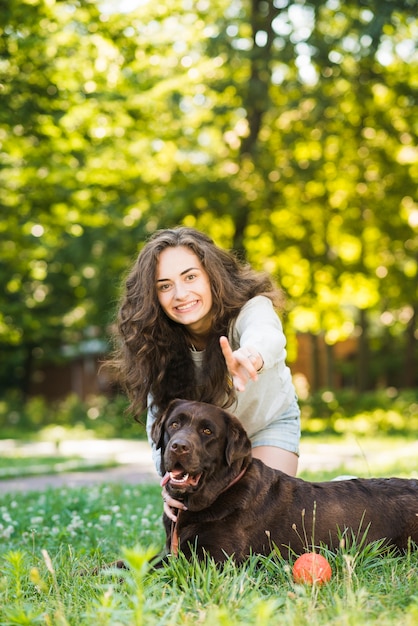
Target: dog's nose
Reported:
point(179, 447)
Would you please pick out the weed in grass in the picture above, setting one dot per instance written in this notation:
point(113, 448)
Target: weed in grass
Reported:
point(231, 594)
point(130, 593)
point(15, 569)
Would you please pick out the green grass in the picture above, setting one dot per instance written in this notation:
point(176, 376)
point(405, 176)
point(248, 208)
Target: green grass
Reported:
point(15, 466)
point(49, 539)
point(362, 456)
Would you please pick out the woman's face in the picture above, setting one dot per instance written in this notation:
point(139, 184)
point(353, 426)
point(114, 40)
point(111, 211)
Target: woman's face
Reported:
point(183, 289)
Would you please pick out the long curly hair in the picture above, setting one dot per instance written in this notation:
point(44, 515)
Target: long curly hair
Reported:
point(152, 353)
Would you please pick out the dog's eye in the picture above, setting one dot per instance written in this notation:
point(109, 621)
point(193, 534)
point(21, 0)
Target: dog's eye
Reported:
point(174, 425)
point(207, 431)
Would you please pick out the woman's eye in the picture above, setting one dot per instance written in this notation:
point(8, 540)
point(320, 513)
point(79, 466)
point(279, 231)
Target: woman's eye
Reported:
point(163, 287)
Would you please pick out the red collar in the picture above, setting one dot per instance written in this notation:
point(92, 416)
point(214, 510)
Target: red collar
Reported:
point(236, 479)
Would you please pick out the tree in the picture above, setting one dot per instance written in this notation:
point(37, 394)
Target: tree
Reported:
point(285, 129)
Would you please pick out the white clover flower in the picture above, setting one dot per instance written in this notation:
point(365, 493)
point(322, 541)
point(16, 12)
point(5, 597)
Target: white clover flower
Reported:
point(76, 522)
point(6, 533)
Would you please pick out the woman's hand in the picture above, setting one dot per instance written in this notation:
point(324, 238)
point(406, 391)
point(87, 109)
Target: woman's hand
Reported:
point(242, 364)
point(170, 504)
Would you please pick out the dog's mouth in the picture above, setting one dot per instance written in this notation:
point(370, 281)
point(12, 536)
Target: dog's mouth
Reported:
point(180, 479)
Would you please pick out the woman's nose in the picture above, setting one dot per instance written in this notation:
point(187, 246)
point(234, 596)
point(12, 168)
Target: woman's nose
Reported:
point(181, 291)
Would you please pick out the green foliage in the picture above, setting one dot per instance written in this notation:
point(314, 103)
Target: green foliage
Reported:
point(386, 411)
point(285, 130)
point(99, 415)
point(12, 466)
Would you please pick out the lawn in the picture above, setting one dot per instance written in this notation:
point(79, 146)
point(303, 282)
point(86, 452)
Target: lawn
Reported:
point(51, 538)
point(15, 466)
point(51, 541)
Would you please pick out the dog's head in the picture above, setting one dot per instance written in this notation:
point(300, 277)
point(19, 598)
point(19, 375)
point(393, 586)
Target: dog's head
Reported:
point(203, 448)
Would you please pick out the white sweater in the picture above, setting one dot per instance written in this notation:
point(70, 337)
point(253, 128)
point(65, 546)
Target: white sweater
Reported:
point(264, 400)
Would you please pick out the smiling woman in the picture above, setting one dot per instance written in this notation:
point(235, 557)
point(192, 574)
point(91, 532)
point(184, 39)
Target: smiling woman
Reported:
point(185, 296)
point(207, 331)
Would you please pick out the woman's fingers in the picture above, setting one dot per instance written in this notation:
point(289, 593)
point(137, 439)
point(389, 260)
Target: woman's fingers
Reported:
point(170, 513)
point(227, 352)
point(232, 364)
point(170, 504)
point(240, 363)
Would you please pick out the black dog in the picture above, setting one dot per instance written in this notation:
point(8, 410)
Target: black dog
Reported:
point(238, 506)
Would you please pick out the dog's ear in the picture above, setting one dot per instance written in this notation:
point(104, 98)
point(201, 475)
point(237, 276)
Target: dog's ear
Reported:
point(238, 445)
point(157, 429)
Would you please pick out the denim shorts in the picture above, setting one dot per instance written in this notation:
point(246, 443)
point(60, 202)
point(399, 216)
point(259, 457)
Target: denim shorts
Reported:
point(283, 433)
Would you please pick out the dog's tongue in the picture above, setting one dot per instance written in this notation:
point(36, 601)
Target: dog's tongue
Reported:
point(179, 477)
point(165, 479)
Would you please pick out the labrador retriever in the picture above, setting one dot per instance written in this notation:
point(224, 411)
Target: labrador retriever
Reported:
point(237, 506)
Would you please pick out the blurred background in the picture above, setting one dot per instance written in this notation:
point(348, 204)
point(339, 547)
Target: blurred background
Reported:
point(286, 130)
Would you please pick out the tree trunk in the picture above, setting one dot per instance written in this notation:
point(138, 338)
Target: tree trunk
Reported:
point(330, 364)
point(410, 364)
point(363, 377)
point(27, 371)
point(315, 363)
point(256, 100)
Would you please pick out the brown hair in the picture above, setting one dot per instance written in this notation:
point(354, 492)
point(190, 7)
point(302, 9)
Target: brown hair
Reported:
point(152, 354)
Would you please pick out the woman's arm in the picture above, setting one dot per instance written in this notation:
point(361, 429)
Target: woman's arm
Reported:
point(256, 342)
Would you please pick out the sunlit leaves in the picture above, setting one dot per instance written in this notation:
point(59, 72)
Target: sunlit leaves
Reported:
point(293, 139)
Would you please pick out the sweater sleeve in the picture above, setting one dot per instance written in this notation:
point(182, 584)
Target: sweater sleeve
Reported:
point(156, 454)
point(259, 326)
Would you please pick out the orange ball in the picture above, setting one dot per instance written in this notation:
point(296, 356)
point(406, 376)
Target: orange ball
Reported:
point(311, 568)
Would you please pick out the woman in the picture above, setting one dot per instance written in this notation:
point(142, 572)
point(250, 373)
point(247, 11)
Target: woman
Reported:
point(195, 323)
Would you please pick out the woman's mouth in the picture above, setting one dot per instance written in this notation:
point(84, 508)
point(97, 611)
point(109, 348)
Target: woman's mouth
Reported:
point(183, 308)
